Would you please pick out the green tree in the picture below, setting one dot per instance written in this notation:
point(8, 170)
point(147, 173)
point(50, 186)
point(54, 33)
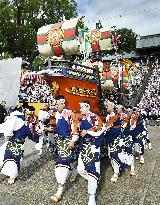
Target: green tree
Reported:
point(126, 40)
point(38, 62)
point(5, 56)
point(53, 10)
point(20, 20)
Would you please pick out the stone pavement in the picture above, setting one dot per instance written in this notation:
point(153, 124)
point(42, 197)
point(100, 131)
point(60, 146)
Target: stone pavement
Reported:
point(36, 182)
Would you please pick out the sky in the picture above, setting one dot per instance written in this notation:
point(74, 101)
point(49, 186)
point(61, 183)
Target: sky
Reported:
point(142, 16)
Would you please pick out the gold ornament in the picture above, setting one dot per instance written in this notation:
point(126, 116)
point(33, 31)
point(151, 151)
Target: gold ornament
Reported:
point(82, 92)
point(55, 37)
point(94, 36)
point(55, 86)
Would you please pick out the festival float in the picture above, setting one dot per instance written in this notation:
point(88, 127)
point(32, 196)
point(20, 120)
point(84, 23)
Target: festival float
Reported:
point(70, 67)
point(79, 77)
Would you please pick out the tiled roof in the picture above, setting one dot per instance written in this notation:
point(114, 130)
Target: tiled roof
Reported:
point(148, 41)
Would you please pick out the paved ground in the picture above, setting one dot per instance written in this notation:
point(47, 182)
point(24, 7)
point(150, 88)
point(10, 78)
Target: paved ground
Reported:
point(36, 182)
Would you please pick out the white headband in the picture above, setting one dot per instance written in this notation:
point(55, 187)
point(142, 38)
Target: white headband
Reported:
point(60, 101)
point(106, 102)
point(129, 109)
point(28, 111)
point(119, 106)
point(82, 104)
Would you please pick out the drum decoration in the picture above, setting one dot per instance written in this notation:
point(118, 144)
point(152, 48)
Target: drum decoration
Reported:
point(125, 79)
point(103, 77)
point(108, 84)
point(57, 39)
point(71, 43)
point(94, 37)
point(114, 73)
point(100, 40)
point(43, 46)
point(105, 42)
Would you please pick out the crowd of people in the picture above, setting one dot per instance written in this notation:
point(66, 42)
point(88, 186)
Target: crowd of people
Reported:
point(35, 92)
point(81, 139)
point(150, 101)
point(127, 88)
point(136, 80)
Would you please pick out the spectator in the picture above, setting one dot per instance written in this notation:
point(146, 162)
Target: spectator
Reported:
point(3, 111)
point(35, 92)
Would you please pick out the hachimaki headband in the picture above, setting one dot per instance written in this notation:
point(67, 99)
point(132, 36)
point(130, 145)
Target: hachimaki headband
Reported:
point(60, 101)
point(84, 104)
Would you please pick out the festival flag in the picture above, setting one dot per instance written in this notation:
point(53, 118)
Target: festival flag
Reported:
point(115, 37)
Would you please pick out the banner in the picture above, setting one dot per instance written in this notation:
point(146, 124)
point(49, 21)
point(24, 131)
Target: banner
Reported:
point(10, 81)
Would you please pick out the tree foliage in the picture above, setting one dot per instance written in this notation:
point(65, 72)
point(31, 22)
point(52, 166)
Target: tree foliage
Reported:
point(126, 40)
point(20, 20)
point(38, 62)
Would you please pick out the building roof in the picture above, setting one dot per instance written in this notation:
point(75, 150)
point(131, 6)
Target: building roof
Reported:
point(148, 41)
point(126, 55)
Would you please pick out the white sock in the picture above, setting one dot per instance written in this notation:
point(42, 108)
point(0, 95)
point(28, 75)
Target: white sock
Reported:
point(40, 152)
point(60, 190)
point(115, 167)
point(132, 163)
point(115, 175)
point(92, 200)
point(92, 185)
point(74, 172)
point(150, 145)
point(132, 167)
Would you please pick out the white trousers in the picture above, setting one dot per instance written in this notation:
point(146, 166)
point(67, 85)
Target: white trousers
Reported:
point(92, 182)
point(61, 174)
